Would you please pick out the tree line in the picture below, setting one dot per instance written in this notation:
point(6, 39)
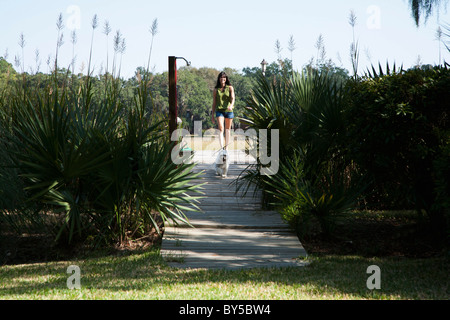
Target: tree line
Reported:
point(194, 86)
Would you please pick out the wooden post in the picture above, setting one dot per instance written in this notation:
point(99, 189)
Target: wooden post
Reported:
point(173, 103)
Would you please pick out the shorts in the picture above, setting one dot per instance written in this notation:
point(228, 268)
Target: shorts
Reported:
point(226, 115)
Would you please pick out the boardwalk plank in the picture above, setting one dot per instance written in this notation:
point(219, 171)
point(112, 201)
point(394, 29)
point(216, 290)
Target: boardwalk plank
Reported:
point(231, 232)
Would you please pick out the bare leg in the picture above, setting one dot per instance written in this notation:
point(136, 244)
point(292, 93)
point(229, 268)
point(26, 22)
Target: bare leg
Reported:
point(220, 122)
point(228, 123)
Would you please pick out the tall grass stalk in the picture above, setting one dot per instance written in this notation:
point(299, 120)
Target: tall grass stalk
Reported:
point(107, 30)
point(354, 47)
point(22, 45)
point(59, 39)
point(154, 31)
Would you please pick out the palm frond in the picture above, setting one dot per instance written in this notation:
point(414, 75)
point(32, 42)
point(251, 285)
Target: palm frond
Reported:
point(374, 74)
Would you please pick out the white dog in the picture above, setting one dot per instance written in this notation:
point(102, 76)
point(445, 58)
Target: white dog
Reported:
point(222, 163)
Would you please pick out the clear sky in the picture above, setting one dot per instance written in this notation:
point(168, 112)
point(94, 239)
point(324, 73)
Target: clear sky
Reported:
point(218, 34)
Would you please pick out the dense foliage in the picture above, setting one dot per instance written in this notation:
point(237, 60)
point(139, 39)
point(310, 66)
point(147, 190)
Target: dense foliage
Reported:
point(399, 133)
point(86, 162)
point(86, 156)
point(313, 183)
point(375, 142)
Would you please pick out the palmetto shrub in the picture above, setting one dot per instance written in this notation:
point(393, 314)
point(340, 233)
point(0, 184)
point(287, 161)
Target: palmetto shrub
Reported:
point(316, 181)
point(96, 166)
point(309, 206)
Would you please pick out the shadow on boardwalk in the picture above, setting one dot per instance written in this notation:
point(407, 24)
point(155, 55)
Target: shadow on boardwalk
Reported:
point(231, 232)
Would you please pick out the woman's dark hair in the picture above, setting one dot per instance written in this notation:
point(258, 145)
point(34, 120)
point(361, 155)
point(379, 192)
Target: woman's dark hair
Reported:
point(222, 74)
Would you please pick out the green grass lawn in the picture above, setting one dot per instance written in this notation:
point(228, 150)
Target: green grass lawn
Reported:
point(145, 275)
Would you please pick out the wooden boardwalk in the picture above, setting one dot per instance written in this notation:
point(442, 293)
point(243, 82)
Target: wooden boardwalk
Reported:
point(231, 232)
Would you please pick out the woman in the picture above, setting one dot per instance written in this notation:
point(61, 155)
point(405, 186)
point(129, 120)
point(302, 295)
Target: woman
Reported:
point(222, 108)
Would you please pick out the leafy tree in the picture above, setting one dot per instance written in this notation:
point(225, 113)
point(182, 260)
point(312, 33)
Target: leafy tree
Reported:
point(207, 74)
point(281, 68)
point(7, 73)
point(194, 98)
